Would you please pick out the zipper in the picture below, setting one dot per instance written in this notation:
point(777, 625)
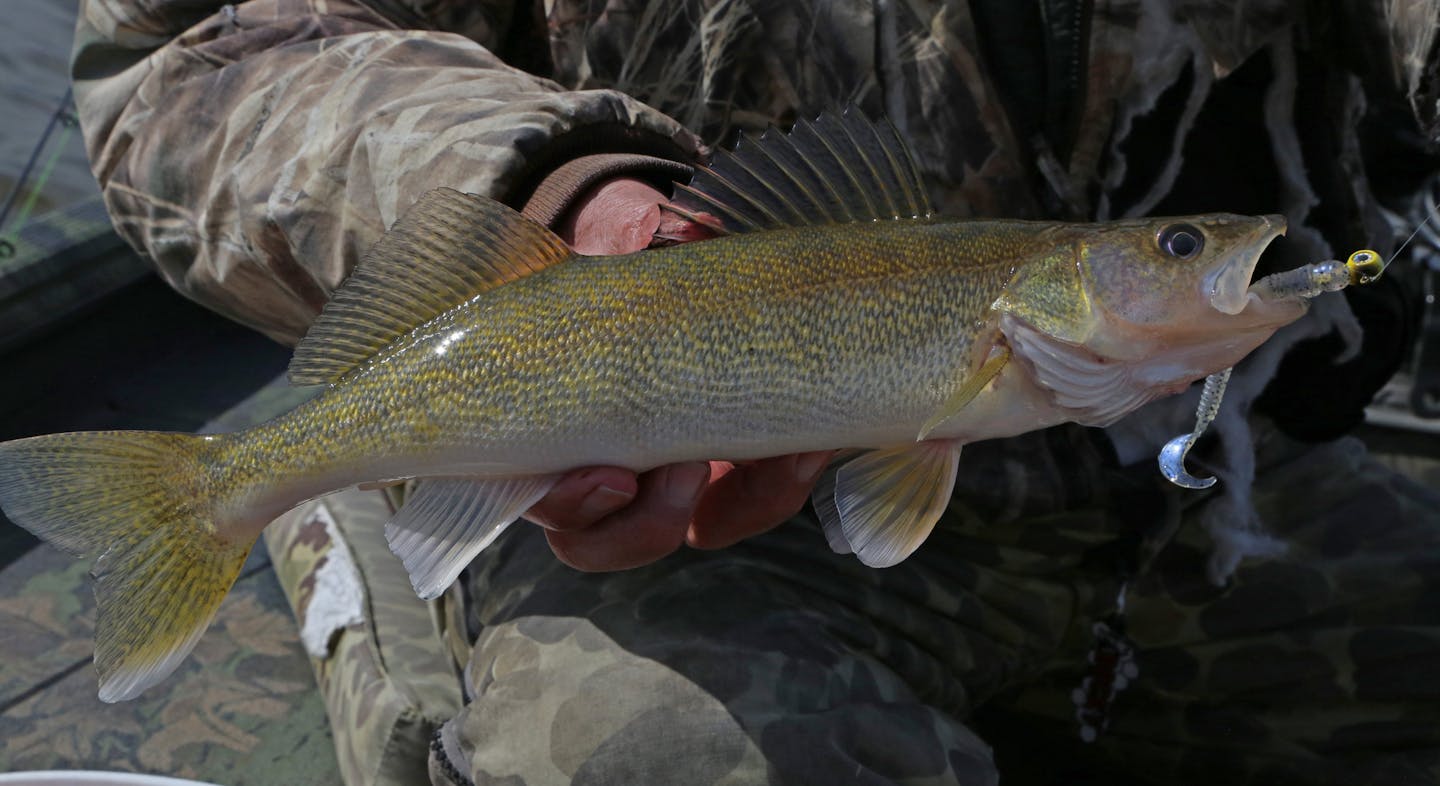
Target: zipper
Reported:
point(1067, 49)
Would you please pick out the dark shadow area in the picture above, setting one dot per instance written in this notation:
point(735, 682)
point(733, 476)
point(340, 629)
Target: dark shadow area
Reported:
point(140, 358)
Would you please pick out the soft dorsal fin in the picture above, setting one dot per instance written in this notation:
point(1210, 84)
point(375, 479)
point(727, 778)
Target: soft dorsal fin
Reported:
point(446, 249)
point(836, 170)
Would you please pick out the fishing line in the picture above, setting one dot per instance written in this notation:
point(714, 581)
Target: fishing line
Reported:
point(61, 117)
point(1429, 216)
point(45, 172)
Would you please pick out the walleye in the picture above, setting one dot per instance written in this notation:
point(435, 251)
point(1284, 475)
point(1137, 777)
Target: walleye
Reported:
point(473, 350)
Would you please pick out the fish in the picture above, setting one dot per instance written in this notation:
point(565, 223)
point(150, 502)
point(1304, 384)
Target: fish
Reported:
point(473, 351)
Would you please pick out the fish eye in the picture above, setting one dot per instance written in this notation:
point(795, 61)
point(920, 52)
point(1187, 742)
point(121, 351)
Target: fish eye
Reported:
point(1181, 241)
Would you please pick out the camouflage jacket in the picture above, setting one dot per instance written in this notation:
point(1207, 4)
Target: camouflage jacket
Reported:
point(252, 151)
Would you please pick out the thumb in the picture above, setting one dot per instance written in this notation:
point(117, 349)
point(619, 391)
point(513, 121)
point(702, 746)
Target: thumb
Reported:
point(615, 217)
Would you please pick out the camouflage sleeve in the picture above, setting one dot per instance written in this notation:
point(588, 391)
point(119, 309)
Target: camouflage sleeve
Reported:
point(251, 152)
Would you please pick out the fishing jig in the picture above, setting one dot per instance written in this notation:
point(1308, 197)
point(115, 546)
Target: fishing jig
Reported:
point(1309, 281)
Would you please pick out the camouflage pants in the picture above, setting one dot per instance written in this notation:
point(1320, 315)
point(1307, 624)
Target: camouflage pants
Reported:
point(777, 661)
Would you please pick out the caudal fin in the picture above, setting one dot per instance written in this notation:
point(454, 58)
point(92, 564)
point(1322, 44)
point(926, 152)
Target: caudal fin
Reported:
point(143, 503)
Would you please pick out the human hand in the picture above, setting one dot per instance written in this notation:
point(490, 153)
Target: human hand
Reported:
point(609, 518)
point(623, 215)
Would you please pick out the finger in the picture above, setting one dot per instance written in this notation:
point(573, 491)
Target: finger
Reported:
point(582, 497)
point(649, 528)
point(753, 498)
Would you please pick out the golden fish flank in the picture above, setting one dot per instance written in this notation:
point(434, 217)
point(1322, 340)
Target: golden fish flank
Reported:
point(473, 350)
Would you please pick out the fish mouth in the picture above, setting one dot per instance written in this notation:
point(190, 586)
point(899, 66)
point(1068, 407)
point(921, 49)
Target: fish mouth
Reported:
point(1229, 285)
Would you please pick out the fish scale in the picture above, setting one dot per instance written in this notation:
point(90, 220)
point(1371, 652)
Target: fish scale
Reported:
point(546, 364)
point(473, 351)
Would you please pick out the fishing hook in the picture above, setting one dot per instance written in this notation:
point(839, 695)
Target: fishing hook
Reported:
point(1332, 275)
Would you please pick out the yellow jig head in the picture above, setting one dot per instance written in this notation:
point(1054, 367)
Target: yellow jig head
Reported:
point(1364, 266)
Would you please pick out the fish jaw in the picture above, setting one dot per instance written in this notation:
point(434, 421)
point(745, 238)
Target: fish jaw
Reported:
point(1225, 286)
point(1228, 286)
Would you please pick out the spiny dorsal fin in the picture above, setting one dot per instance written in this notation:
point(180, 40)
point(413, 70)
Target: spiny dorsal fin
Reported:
point(836, 170)
point(446, 249)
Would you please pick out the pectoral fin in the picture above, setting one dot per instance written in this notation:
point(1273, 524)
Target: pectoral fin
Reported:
point(883, 504)
point(447, 521)
point(961, 398)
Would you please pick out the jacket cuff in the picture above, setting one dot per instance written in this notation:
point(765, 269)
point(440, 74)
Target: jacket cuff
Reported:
point(559, 189)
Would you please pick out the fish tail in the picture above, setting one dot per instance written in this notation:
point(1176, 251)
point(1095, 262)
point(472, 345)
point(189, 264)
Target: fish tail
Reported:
point(144, 503)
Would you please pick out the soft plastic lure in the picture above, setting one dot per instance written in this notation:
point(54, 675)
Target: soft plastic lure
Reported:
point(1309, 281)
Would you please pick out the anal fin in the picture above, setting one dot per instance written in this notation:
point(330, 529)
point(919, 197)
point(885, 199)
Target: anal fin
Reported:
point(883, 504)
point(446, 522)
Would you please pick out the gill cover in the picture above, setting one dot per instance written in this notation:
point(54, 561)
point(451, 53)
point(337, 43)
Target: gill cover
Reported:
point(1052, 295)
